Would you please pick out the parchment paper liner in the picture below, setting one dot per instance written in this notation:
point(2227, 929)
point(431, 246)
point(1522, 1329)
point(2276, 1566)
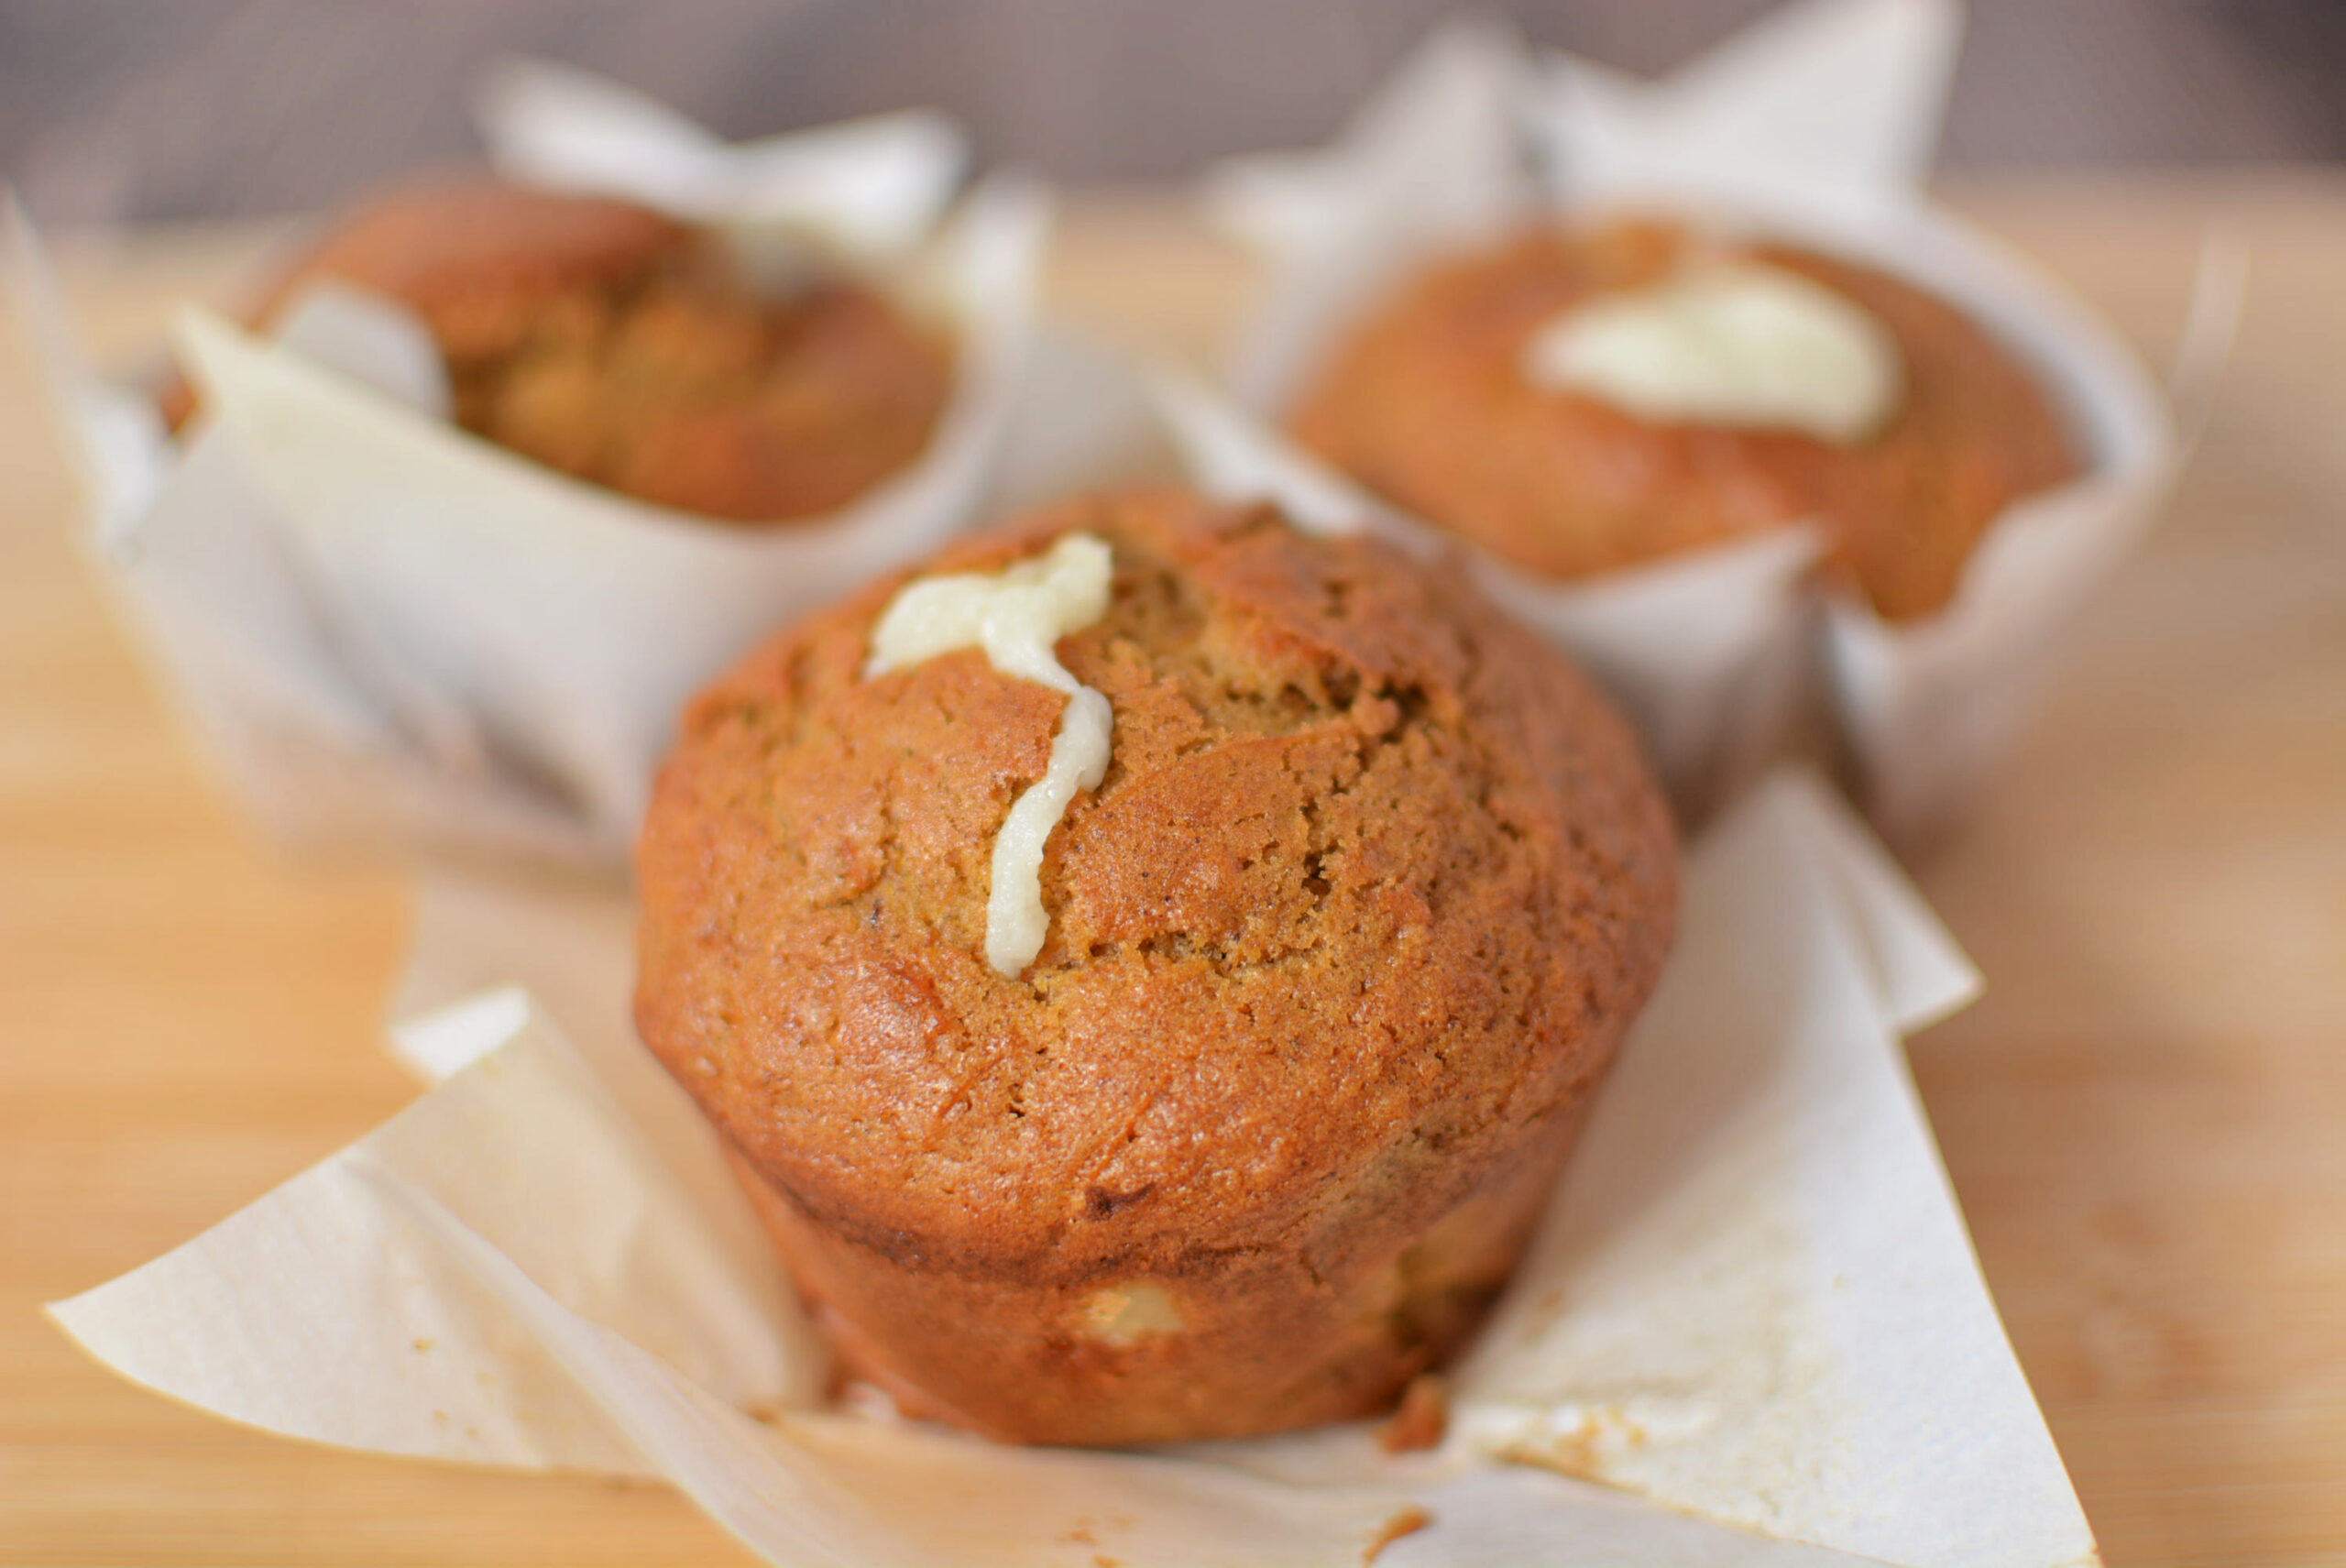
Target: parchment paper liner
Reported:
point(1816, 125)
point(387, 632)
point(1754, 1304)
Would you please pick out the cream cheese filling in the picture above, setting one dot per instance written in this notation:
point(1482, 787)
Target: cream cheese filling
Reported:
point(1727, 343)
point(1017, 616)
point(1126, 1314)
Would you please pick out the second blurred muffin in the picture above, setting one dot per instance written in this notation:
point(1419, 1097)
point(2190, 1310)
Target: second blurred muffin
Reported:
point(1578, 400)
point(609, 342)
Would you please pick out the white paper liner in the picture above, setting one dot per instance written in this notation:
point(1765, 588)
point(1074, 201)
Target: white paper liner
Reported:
point(389, 632)
point(1756, 1261)
point(1816, 124)
point(867, 189)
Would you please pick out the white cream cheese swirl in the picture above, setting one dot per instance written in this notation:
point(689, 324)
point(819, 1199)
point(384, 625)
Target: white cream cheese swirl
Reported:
point(1727, 343)
point(1017, 616)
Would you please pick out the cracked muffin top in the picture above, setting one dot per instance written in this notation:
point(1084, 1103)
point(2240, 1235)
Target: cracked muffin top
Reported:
point(1438, 399)
point(1370, 884)
point(609, 342)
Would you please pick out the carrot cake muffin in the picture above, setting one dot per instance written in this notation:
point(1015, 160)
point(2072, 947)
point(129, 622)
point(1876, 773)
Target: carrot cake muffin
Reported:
point(1576, 401)
point(1150, 965)
point(605, 340)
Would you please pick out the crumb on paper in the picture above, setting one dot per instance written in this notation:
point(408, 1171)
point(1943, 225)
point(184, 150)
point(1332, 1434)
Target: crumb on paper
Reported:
point(1578, 1450)
point(1408, 1522)
point(1086, 1530)
point(1421, 1419)
point(1081, 1534)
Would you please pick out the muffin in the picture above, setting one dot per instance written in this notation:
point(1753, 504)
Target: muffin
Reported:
point(607, 341)
point(1337, 939)
point(1851, 400)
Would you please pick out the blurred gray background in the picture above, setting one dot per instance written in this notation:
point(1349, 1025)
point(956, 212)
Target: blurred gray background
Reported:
point(167, 109)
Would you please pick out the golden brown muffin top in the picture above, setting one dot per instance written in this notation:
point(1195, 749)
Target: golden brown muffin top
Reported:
point(610, 341)
point(1372, 883)
point(1426, 402)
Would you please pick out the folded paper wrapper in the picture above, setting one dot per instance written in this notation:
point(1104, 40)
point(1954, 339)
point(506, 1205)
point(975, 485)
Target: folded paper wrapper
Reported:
point(389, 632)
point(1816, 125)
point(867, 191)
point(1751, 1330)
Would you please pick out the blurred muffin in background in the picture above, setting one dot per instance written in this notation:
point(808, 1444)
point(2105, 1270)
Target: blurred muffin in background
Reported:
point(608, 341)
point(1581, 399)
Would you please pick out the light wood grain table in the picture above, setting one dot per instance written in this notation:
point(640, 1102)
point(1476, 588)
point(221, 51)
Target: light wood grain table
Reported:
point(2146, 1118)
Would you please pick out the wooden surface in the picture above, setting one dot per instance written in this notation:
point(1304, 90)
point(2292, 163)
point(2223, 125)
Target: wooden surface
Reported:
point(2146, 1118)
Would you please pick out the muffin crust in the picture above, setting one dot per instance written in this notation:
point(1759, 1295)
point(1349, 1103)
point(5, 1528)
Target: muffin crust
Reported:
point(1425, 402)
point(1339, 949)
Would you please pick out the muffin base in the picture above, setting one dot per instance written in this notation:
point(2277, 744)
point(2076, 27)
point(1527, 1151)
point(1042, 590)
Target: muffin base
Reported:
point(1269, 1341)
